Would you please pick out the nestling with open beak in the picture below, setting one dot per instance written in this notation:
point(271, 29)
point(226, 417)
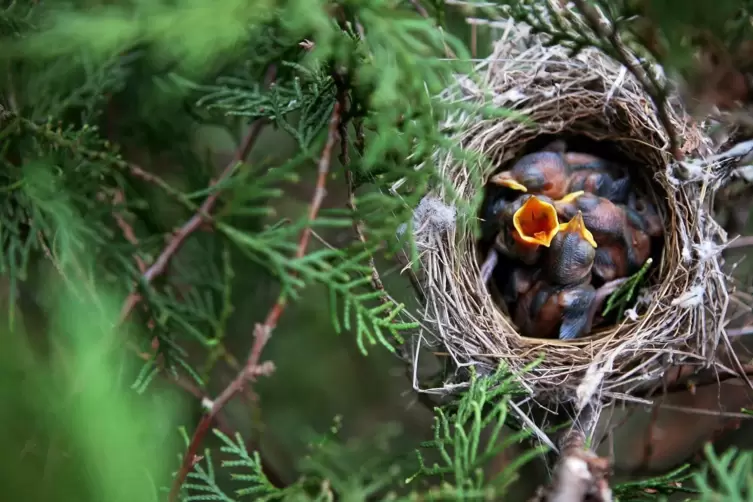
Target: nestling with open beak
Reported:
point(570, 256)
point(524, 226)
point(561, 302)
point(527, 224)
point(624, 244)
point(547, 310)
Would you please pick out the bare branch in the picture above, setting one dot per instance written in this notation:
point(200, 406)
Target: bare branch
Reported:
point(262, 332)
point(579, 475)
point(194, 223)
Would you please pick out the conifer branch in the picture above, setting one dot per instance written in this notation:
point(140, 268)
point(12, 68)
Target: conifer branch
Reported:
point(358, 224)
point(262, 332)
point(222, 423)
point(420, 8)
point(195, 222)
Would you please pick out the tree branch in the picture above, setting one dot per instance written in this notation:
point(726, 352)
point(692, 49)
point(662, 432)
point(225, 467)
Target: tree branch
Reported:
point(579, 474)
point(262, 332)
point(189, 227)
point(358, 224)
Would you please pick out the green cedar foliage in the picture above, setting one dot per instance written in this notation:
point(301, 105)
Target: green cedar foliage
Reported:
point(94, 95)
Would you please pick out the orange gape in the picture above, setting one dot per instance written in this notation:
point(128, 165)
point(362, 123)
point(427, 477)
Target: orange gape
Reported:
point(536, 222)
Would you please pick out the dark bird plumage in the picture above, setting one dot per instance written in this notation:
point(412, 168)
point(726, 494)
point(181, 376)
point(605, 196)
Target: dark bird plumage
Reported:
point(554, 174)
point(571, 254)
point(545, 311)
point(620, 232)
point(544, 173)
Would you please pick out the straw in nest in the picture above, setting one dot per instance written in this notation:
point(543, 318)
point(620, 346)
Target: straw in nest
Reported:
point(678, 316)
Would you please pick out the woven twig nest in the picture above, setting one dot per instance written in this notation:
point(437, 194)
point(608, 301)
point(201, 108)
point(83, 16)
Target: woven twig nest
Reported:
point(679, 314)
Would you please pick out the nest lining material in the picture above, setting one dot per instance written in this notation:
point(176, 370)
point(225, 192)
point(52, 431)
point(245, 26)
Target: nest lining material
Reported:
point(677, 319)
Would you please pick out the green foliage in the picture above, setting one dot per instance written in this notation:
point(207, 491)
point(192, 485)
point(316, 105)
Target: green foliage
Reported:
point(467, 435)
point(458, 440)
point(728, 476)
point(100, 107)
point(206, 486)
point(77, 406)
point(676, 481)
point(625, 294)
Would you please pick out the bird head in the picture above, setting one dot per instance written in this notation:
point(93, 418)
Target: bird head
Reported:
point(571, 197)
point(506, 179)
point(577, 226)
point(536, 222)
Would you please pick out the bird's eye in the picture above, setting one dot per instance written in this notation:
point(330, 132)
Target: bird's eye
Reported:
point(547, 186)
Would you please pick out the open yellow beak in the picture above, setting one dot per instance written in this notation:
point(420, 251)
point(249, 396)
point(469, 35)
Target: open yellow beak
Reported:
point(536, 222)
point(571, 196)
point(504, 179)
point(577, 225)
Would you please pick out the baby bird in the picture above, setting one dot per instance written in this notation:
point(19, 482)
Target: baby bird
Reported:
point(493, 207)
point(561, 302)
point(554, 174)
point(650, 217)
point(523, 226)
point(544, 173)
point(571, 254)
point(586, 161)
point(624, 243)
point(527, 224)
point(596, 175)
point(601, 183)
point(520, 282)
point(605, 219)
point(547, 310)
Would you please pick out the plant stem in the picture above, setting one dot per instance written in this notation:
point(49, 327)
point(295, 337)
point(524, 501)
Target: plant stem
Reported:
point(262, 332)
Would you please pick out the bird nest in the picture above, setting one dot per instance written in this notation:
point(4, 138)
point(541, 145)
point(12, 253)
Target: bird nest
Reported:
point(593, 102)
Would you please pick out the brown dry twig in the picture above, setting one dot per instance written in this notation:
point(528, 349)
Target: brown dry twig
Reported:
point(189, 227)
point(579, 474)
point(128, 233)
point(195, 222)
point(358, 224)
point(740, 242)
point(222, 423)
point(262, 332)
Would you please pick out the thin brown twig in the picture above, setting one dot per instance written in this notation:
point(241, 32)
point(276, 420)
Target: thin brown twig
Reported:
point(222, 423)
point(656, 94)
point(262, 332)
point(358, 224)
point(420, 8)
point(194, 223)
point(740, 242)
point(128, 233)
point(748, 330)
